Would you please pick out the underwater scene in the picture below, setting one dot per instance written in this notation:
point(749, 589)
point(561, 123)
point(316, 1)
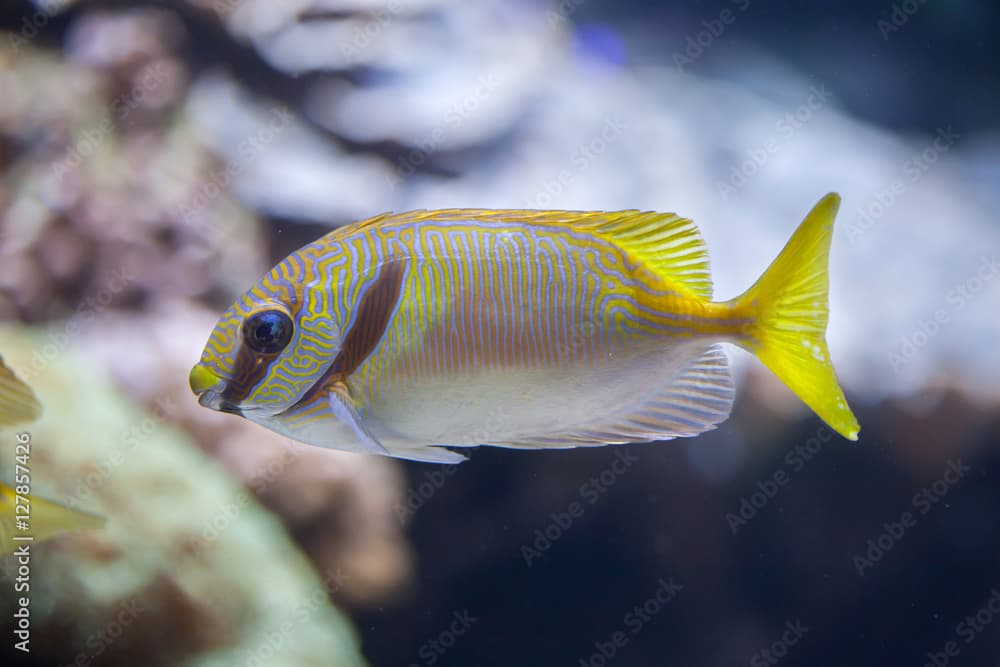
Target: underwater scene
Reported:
point(412, 333)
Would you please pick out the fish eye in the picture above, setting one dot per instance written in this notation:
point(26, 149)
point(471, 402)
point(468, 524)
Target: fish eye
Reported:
point(268, 331)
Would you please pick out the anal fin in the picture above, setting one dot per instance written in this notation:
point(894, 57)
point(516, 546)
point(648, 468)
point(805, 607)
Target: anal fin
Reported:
point(693, 401)
point(428, 454)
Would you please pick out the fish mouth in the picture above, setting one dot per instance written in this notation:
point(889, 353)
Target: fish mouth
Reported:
point(229, 408)
point(202, 380)
point(209, 387)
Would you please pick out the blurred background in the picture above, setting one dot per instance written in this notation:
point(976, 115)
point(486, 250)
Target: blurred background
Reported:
point(157, 157)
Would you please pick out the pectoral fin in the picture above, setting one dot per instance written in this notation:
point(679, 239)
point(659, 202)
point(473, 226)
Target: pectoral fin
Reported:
point(343, 408)
point(330, 418)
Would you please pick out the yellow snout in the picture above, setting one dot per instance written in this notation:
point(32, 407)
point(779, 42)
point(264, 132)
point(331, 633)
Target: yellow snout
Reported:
point(201, 379)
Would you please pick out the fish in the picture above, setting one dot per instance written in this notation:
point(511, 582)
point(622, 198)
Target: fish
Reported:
point(415, 334)
point(43, 518)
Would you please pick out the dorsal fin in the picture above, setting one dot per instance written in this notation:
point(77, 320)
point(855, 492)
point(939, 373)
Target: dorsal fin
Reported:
point(669, 244)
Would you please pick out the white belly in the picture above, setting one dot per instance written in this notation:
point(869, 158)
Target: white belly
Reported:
point(501, 405)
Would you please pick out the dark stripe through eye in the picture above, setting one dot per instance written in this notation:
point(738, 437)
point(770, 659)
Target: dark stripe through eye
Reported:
point(264, 334)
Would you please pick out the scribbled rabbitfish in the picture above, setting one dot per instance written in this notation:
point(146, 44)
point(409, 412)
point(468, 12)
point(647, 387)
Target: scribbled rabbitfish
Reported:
point(408, 333)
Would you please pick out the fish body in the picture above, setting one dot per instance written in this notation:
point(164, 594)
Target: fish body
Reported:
point(531, 329)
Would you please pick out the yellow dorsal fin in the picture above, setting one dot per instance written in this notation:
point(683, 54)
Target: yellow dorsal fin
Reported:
point(670, 245)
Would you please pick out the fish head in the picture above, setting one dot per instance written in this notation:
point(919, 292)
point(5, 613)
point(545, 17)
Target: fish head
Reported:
point(268, 348)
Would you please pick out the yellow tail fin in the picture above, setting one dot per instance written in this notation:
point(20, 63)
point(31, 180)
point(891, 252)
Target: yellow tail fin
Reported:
point(790, 306)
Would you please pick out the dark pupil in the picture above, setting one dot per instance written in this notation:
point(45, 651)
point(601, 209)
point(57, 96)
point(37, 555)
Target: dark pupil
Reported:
point(267, 332)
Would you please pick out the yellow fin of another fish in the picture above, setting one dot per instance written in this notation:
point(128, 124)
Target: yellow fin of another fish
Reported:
point(791, 309)
point(46, 519)
point(693, 401)
point(17, 401)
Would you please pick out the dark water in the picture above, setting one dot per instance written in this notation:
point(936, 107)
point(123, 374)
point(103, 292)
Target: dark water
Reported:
point(825, 548)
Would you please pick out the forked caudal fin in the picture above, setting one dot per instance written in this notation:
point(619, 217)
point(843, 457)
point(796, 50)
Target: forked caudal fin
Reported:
point(790, 306)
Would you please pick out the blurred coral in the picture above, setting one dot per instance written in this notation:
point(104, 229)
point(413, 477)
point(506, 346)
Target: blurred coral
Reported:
point(189, 570)
point(102, 200)
point(118, 222)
